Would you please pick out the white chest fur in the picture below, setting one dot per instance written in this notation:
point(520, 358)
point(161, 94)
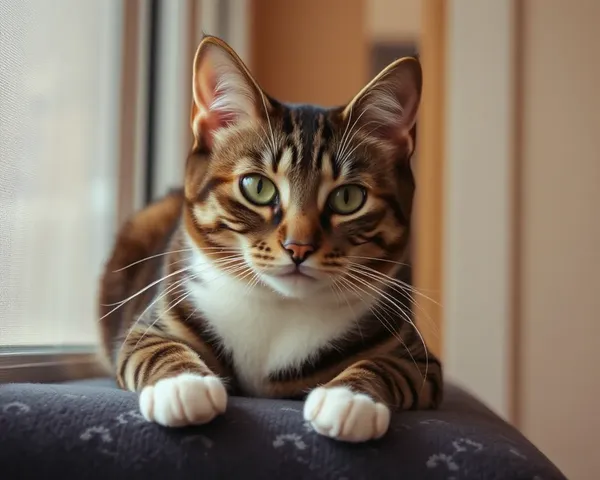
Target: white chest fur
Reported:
point(263, 332)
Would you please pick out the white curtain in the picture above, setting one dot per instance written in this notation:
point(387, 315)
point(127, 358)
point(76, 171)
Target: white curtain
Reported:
point(59, 123)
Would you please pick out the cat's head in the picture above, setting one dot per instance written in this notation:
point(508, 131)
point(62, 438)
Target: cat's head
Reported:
point(306, 198)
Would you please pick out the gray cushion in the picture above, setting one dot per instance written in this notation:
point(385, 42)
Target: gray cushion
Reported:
point(94, 431)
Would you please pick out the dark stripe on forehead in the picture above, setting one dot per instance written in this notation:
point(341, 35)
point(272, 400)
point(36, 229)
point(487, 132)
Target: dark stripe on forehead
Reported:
point(307, 128)
point(319, 157)
point(336, 166)
point(317, 145)
point(286, 125)
point(327, 133)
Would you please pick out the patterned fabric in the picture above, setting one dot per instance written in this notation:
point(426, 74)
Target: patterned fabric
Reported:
point(94, 431)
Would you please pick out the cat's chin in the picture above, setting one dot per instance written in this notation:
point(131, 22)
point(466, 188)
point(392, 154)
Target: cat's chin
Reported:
point(294, 285)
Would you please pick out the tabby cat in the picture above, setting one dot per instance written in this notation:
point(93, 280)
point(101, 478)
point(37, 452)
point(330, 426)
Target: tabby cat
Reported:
point(279, 269)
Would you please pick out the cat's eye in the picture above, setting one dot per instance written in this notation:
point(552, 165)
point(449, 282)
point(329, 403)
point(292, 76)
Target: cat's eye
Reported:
point(258, 189)
point(347, 199)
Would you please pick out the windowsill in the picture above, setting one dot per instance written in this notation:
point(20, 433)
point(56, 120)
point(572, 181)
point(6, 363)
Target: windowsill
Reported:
point(37, 364)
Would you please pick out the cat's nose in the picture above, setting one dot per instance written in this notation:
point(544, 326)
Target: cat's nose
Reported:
point(298, 252)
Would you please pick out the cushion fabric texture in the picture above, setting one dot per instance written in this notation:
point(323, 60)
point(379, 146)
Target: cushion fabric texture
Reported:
point(92, 430)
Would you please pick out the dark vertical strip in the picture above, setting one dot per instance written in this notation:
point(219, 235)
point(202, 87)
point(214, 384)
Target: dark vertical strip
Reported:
point(152, 80)
point(384, 53)
point(223, 9)
point(516, 377)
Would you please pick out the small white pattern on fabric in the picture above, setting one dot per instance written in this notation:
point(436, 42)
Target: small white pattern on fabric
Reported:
point(16, 407)
point(515, 452)
point(307, 427)
point(438, 458)
point(99, 431)
point(130, 416)
point(291, 438)
point(433, 421)
point(460, 445)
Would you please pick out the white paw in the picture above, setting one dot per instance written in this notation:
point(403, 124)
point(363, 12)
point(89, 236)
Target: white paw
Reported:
point(344, 415)
point(186, 399)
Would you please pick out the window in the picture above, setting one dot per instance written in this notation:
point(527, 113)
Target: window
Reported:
point(94, 105)
point(59, 110)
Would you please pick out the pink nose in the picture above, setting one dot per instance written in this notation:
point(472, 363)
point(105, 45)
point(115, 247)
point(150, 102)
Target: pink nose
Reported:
point(298, 251)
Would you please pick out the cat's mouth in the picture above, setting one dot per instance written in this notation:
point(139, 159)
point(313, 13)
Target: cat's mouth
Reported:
point(294, 281)
point(294, 271)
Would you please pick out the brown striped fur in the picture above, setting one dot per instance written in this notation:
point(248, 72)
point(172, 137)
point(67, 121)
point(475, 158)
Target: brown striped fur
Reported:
point(384, 356)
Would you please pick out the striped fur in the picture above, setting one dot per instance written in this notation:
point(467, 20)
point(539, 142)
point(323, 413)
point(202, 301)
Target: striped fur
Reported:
point(211, 308)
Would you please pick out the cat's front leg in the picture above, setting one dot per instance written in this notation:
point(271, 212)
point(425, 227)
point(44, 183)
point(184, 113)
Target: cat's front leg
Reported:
point(356, 405)
point(175, 386)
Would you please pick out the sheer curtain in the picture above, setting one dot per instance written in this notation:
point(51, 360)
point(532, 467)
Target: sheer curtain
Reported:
point(59, 124)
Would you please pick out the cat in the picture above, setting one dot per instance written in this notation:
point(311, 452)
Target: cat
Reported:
point(280, 269)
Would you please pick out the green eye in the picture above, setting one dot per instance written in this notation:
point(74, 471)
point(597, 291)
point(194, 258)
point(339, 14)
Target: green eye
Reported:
point(347, 199)
point(258, 189)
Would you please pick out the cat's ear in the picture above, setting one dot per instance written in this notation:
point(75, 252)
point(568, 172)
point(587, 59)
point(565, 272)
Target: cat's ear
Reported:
point(224, 92)
point(387, 107)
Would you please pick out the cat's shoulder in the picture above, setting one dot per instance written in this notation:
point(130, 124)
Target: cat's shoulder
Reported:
point(158, 217)
point(148, 229)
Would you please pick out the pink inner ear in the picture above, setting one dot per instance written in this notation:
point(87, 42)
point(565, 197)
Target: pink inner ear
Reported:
point(223, 93)
point(210, 119)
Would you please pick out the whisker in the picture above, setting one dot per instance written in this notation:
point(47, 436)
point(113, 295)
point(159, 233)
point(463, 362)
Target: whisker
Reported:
point(379, 260)
point(187, 259)
point(253, 283)
point(270, 147)
point(172, 305)
point(347, 155)
point(170, 288)
point(150, 258)
point(160, 296)
point(247, 271)
point(142, 290)
point(193, 265)
point(383, 279)
point(273, 143)
point(341, 152)
point(168, 253)
point(356, 319)
point(396, 281)
point(262, 140)
point(335, 288)
point(123, 302)
point(341, 144)
point(387, 323)
point(391, 283)
point(244, 273)
point(401, 311)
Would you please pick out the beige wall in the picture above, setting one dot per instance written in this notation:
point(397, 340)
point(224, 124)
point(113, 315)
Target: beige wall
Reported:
point(559, 384)
point(390, 20)
point(521, 220)
point(310, 50)
point(477, 215)
point(318, 51)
